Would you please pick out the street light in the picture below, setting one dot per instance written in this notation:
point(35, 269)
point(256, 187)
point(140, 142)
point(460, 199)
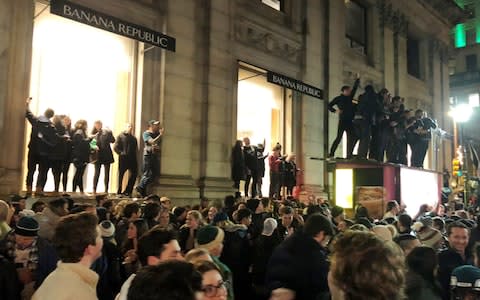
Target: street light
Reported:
point(460, 114)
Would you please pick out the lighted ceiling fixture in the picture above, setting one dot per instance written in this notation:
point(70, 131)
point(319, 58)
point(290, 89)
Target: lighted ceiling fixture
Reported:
point(461, 113)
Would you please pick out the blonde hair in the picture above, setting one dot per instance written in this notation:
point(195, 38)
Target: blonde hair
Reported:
point(365, 267)
point(4, 211)
point(194, 256)
point(118, 210)
point(197, 215)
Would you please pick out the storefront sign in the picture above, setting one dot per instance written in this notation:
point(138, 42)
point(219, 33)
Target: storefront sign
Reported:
point(294, 84)
point(97, 19)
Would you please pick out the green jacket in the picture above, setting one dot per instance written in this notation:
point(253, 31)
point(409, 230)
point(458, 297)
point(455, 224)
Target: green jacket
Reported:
point(227, 276)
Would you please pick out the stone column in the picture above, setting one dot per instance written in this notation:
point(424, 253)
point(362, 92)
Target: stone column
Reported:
point(212, 167)
point(16, 33)
point(178, 96)
point(312, 108)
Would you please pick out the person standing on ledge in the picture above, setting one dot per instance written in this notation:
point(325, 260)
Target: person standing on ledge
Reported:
point(151, 165)
point(126, 147)
point(346, 112)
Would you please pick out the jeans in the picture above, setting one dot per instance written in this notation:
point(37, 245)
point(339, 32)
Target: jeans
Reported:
point(151, 169)
point(33, 160)
point(127, 163)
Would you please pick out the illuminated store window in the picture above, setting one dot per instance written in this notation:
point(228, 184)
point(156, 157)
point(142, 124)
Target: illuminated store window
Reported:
point(460, 36)
point(344, 188)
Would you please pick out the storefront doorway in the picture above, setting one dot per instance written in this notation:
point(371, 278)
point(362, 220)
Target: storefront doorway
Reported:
point(85, 73)
point(264, 114)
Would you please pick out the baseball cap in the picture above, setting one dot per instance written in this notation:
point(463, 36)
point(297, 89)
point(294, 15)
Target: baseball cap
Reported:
point(153, 122)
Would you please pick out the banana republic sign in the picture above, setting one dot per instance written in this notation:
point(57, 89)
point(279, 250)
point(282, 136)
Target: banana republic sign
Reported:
point(97, 19)
point(294, 84)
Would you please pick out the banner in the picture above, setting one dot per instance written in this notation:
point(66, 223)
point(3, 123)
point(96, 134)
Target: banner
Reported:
point(103, 21)
point(294, 84)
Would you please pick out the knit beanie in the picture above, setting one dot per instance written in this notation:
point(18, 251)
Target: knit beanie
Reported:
point(107, 229)
point(336, 211)
point(269, 226)
point(26, 226)
point(209, 237)
point(219, 217)
point(252, 204)
point(430, 237)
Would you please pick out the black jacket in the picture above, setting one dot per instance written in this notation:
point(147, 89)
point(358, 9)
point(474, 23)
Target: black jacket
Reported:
point(250, 156)
point(10, 285)
point(126, 145)
point(238, 164)
point(448, 260)
point(104, 139)
point(368, 106)
point(299, 264)
point(81, 148)
point(44, 136)
point(345, 104)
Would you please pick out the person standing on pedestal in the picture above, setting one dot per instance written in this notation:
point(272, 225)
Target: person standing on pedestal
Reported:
point(151, 165)
point(126, 147)
point(80, 153)
point(422, 130)
point(364, 118)
point(42, 139)
point(274, 162)
point(104, 138)
point(251, 163)
point(238, 166)
point(346, 111)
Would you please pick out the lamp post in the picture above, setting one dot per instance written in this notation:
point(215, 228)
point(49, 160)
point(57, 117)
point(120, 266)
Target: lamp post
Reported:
point(460, 114)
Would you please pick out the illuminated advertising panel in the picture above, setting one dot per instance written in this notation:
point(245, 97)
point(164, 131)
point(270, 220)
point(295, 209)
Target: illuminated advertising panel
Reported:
point(418, 187)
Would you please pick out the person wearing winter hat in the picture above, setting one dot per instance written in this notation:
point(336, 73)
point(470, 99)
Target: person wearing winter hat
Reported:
point(211, 238)
point(428, 235)
point(33, 256)
point(258, 216)
point(263, 248)
point(338, 214)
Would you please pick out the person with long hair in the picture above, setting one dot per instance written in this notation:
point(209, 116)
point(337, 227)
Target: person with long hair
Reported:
point(130, 247)
point(363, 266)
point(188, 231)
point(238, 165)
point(80, 153)
point(421, 282)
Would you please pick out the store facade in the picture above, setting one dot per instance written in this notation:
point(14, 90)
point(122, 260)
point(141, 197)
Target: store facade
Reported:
point(199, 91)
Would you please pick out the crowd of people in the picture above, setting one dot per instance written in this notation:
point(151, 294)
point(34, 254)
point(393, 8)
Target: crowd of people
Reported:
point(55, 144)
point(381, 125)
point(238, 249)
point(248, 165)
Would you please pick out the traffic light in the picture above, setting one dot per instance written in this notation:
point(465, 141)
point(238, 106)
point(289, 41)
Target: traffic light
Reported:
point(456, 168)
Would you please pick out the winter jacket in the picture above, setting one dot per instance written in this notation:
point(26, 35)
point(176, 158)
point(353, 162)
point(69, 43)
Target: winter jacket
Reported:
point(104, 139)
point(69, 281)
point(300, 264)
point(10, 285)
point(43, 137)
point(81, 148)
point(238, 165)
point(448, 260)
point(418, 288)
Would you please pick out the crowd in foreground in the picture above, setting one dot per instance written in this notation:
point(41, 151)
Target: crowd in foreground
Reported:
point(253, 249)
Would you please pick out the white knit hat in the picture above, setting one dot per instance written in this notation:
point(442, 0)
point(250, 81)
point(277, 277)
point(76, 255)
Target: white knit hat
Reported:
point(269, 226)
